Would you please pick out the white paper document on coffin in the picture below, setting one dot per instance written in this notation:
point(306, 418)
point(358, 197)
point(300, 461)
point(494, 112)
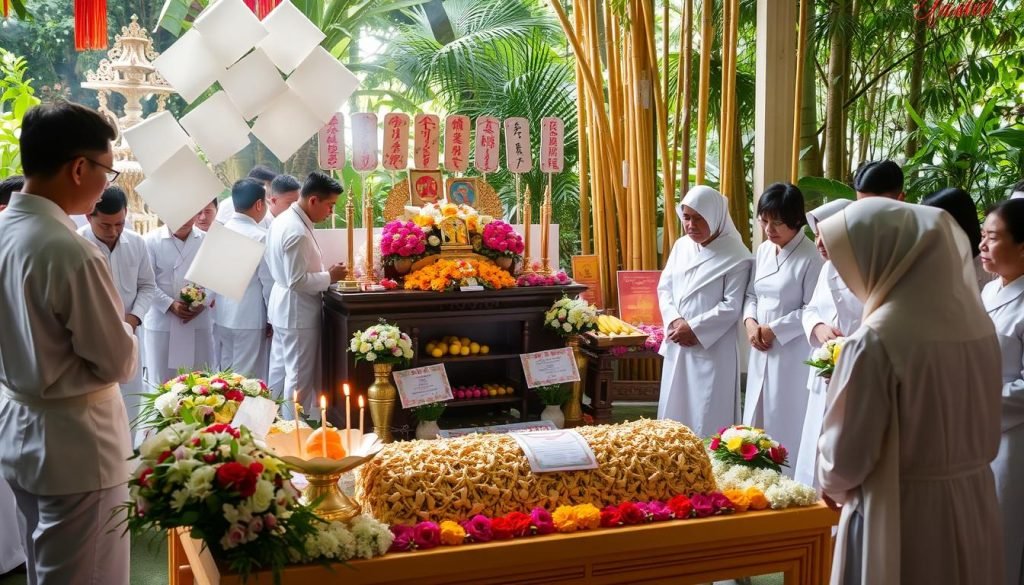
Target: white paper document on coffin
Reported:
point(226, 262)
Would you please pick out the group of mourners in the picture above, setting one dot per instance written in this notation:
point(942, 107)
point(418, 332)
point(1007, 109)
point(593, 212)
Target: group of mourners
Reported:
point(918, 436)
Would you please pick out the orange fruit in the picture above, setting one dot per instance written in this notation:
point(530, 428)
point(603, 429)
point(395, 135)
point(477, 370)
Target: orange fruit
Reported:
point(465, 350)
point(436, 352)
point(315, 445)
point(484, 350)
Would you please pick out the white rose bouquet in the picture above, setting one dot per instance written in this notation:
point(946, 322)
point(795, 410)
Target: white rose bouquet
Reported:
point(381, 344)
point(199, 397)
point(825, 358)
point(192, 295)
point(569, 317)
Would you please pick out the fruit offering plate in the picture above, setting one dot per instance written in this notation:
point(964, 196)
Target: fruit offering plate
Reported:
point(598, 339)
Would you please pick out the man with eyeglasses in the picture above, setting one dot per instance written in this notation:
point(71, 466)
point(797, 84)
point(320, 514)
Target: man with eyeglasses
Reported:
point(63, 348)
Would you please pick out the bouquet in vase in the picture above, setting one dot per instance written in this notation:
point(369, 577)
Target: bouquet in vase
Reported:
point(402, 240)
point(500, 240)
point(748, 446)
point(825, 358)
point(570, 317)
point(553, 395)
point(192, 295)
point(381, 344)
point(199, 397)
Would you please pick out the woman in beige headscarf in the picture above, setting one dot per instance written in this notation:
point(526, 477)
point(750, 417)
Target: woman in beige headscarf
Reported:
point(912, 419)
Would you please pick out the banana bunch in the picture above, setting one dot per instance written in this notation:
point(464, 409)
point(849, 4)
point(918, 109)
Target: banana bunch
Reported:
point(609, 326)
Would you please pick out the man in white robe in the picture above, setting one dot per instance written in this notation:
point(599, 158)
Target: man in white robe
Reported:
point(912, 419)
point(64, 439)
point(284, 190)
point(206, 216)
point(300, 280)
point(241, 331)
point(177, 336)
point(261, 173)
point(8, 186)
point(129, 265)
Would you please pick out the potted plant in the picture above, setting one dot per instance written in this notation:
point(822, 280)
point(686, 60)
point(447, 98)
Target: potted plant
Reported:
point(553, 397)
point(501, 243)
point(402, 243)
point(426, 417)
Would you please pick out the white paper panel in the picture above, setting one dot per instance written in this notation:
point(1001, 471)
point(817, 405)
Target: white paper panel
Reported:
point(180, 188)
point(155, 139)
point(364, 142)
point(292, 36)
point(189, 66)
point(323, 83)
point(217, 127)
point(226, 262)
point(285, 125)
point(230, 29)
point(253, 83)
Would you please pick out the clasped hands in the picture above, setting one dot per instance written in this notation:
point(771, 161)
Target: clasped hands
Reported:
point(761, 336)
point(680, 332)
point(185, 312)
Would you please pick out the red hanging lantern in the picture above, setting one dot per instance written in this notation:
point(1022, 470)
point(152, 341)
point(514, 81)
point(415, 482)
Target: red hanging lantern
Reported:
point(5, 8)
point(90, 24)
point(262, 7)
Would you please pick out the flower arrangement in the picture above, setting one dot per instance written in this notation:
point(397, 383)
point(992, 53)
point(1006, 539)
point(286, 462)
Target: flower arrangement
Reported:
point(655, 336)
point(761, 485)
point(553, 395)
point(192, 295)
point(215, 481)
point(445, 275)
point(199, 397)
point(402, 239)
point(388, 284)
point(749, 446)
point(536, 279)
point(381, 344)
point(428, 412)
point(569, 317)
point(500, 239)
point(825, 358)
point(566, 519)
point(362, 537)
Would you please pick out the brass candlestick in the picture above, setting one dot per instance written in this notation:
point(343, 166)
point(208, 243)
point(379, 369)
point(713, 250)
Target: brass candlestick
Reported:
point(527, 223)
point(545, 227)
point(368, 277)
point(350, 222)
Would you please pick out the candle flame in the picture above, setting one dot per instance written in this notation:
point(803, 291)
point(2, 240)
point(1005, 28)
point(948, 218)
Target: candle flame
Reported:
point(323, 402)
point(345, 389)
point(296, 396)
point(360, 402)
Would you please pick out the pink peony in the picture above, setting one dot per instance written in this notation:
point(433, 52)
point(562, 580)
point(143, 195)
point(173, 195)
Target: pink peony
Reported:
point(703, 505)
point(749, 451)
point(478, 528)
point(542, 522)
point(426, 535)
point(404, 538)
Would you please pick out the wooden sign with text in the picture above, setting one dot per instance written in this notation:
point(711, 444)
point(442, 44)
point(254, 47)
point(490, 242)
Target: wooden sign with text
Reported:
point(456, 143)
point(396, 141)
point(331, 143)
point(485, 157)
point(426, 139)
point(364, 142)
point(518, 156)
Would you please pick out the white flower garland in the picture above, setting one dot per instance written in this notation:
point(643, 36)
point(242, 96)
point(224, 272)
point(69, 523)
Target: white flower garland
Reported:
point(363, 537)
point(780, 491)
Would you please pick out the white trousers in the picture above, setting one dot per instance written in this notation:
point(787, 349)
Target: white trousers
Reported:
point(295, 365)
point(73, 540)
point(244, 351)
point(157, 367)
point(12, 551)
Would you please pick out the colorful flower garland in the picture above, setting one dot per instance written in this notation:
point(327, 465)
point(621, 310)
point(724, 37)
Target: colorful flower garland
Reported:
point(446, 275)
point(567, 519)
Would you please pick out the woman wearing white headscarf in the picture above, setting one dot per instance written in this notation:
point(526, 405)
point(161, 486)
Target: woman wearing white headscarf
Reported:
point(834, 311)
point(701, 296)
point(912, 419)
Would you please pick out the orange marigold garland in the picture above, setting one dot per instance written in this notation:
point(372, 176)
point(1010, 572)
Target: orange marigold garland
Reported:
point(448, 274)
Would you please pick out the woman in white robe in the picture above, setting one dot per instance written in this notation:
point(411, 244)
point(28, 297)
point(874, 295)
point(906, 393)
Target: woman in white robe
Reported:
point(701, 296)
point(785, 274)
point(1002, 254)
point(834, 311)
point(960, 205)
point(912, 419)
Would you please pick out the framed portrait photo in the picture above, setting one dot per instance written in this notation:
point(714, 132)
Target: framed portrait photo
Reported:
point(462, 191)
point(425, 187)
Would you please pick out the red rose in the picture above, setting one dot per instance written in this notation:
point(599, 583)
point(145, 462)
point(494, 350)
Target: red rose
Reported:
point(749, 451)
point(520, 523)
point(715, 443)
point(501, 528)
point(234, 395)
point(631, 513)
point(144, 476)
point(611, 516)
point(209, 458)
point(237, 477)
point(680, 506)
point(778, 454)
point(163, 457)
point(222, 428)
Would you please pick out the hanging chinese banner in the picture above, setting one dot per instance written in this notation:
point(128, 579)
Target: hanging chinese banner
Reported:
point(395, 156)
point(456, 143)
point(485, 155)
point(331, 141)
point(364, 142)
point(425, 153)
point(517, 145)
point(552, 145)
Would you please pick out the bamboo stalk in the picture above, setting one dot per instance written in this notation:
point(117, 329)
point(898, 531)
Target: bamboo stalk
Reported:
point(581, 124)
point(661, 105)
point(687, 98)
point(621, 175)
point(801, 55)
point(724, 136)
point(704, 90)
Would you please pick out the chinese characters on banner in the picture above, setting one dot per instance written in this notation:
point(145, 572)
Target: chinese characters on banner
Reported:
point(364, 142)
point(331, 140)
point(552, 142)
point(425, 142)
point(396, 141)
point(456, 143)
point(518, 156)
point(485, 157)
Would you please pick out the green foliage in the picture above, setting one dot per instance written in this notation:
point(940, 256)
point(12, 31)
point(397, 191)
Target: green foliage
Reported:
point(16, 97)
point(554, 395)
point(428, 412)
point(818, 190)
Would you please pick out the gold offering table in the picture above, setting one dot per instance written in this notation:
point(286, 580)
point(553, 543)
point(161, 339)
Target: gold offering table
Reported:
point(795, 542)
point(510, 321)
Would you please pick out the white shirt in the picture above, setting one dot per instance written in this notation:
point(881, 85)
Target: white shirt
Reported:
point(268, 219)
point(296, 265)
point(225, 209)
point(251, 312)
point(171, 259)
point(61, 337)
point(131, 269)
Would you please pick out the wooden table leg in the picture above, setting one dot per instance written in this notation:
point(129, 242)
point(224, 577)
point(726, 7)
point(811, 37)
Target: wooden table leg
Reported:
point(600, 377)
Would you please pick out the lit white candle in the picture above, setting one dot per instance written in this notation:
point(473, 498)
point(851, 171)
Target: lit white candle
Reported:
point(323, 423)
point(348, 409)
point(361, 406)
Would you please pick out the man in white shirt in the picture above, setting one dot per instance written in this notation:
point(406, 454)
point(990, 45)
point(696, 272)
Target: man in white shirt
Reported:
point(300, 279)
point(177, 336)
point(129, 265)
point(206, 217)
point(241, 332)
point(262, 174)
point(284, 190)
point(8, 186)
point(64, 442)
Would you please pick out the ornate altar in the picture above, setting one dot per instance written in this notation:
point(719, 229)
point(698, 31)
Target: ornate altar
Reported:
point(128, 71)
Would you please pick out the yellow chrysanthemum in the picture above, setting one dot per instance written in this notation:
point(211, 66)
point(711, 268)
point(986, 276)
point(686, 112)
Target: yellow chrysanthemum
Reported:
point(588, 516)
point(734, 443)
point(835, 353)
point(756, 498)
point(564, 518)
point(740, 500)
point(452, 533)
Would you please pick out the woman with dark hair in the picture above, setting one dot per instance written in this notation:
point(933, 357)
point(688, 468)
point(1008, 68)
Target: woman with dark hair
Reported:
point(785, 273)
point(960, 205)
point(1002, 254)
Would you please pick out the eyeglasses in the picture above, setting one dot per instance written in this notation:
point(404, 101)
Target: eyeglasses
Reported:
point(112, 175)
point(774, 223)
